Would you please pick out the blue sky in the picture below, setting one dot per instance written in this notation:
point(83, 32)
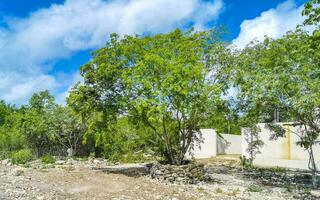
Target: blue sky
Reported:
point(44, 42)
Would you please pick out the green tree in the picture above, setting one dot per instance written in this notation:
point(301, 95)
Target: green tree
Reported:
point(65, 129)
point(224, 119)
point(283, 73)
point(130, 142)
point(35, 123)
point(312, 12)
point(160, 80)
point(11, 138)
point(5, 110)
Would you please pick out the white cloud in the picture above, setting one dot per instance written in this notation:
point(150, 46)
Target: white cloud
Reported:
point(273, 23)
point(24, 85)
point(71, 81)
point(30, 46)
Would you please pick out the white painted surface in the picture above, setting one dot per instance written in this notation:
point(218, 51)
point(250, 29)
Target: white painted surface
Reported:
point(208, 148)
point(274, 162)
point(283, 152)
point(229, 144)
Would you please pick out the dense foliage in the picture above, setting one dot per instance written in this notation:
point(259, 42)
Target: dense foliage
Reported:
point(151, 94)
point(283, 75)
point(158, 81)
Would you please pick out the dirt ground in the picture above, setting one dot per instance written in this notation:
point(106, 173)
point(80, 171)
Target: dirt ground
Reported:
point(81, 182)
point(75, 184)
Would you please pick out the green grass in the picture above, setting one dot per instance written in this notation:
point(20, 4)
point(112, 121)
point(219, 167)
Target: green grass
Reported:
point(254, 188)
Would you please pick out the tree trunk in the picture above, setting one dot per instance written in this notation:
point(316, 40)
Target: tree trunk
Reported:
point(251, 151)
point(169, 150)
point(313, 167)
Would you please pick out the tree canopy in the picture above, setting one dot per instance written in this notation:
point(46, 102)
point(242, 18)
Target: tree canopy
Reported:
point(161, 81)
point(151, 94)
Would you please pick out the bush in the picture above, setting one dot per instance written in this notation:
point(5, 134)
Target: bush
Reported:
point(48, 159)
point(22, 156)
point(278, 170)
point(254, 188)
point(244, 162)
point(133, 158)
point(4, 155)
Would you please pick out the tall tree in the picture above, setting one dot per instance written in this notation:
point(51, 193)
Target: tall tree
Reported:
point(283, 73)
point(35, 122)
point(312, 12)
point(11, 138)
point(160, 80)
point(66, 130)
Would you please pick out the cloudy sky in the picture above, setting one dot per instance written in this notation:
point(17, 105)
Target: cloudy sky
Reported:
point(44, 42)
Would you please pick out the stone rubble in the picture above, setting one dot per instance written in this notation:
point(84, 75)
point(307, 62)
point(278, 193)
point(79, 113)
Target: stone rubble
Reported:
point(184, 174)
point(192, 181)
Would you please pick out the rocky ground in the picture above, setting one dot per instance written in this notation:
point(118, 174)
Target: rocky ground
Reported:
point(83, 180)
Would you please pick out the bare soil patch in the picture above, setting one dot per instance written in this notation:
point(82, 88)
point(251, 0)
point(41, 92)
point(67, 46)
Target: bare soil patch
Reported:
point(79, 181)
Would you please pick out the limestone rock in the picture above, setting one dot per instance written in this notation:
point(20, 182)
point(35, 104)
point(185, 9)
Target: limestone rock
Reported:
point(60, 162)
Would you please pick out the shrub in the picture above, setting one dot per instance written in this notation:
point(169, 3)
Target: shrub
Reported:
point(244, 162)
point(48, 159)
point(133, 157)
point(4, 155)
point(22, 156)
point(278, 170)
point(92, 155)
point(254, 188)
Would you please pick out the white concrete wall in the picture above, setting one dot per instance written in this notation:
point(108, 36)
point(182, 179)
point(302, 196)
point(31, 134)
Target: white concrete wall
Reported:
point(283, 152)
point(208, 148)
point(229, 144)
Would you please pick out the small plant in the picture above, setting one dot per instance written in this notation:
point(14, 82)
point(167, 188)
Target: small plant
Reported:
point(92, 155)
point(48, 159)
point(278, 170)
point(219, 190)
point(290, 187)
point(245, 162)
point(234, 192)
point(133, 157)
point(251, 136)
point(43, 170)
point(4, 155)
point(83, 158)
point(22, 156)
point(254, 188)
point(26, 165)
